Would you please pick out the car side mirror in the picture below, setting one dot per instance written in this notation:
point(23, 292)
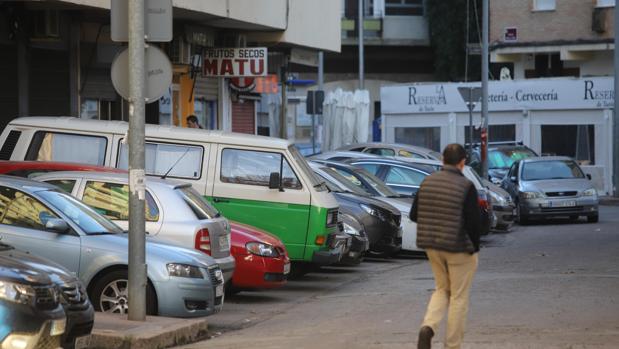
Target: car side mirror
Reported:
point(513, 179)
point(56, 225)
point(274, 181)
point(588, 176)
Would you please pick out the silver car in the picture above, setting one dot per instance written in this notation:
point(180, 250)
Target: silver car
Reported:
point(174, 211)
point(38, 218)
point(503, 208)
point(551, 186)
point(393, 149)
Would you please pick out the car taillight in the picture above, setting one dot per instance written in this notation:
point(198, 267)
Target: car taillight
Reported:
point(203, 241)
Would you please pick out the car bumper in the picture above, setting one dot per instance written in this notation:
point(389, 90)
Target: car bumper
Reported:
point(505, 215)
point(327, 257)
point(253, 272)
point(581, 206)
point(32, 328)
point(227, 265)
point(390, 240)
point(186, 297)
point(358, 247)
point(79, 323)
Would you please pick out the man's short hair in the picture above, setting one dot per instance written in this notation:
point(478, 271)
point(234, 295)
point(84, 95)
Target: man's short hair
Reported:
point(192, 118)
point(453, 154)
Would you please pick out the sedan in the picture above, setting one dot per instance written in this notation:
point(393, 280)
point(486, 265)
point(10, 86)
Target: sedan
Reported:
point(551, 186)
point(175, 212)
point(40, 219)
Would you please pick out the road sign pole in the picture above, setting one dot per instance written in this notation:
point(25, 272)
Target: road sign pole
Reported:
point(137, 256)
point(484, 91)
point(470, 105)
point(615, 145)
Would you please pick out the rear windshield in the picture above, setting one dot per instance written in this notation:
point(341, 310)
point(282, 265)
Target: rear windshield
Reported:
point(505, 158)
point(555, 169)
point(197, 203)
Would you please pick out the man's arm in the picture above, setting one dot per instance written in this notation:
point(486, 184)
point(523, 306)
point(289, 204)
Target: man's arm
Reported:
point(413, 214)
point(472, 217)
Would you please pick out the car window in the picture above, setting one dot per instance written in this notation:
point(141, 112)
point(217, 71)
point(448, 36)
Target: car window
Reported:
point(398, 175)
point(380, 151)
point(255, 167)
point(504, 158)
point(22, 210)
point(51, 146)
point(409, 154)
point(65, 184)
point(371, 168)
point(343, 182)
point(200, 207)
point(555, 169)
point(112, 201)
point(357, 149)
point(512, 170)
point(181, 161)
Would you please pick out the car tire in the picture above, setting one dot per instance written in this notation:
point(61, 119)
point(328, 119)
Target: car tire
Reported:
point(522, 218)
point(593, 218)
point(113, 287)
point(573, 218)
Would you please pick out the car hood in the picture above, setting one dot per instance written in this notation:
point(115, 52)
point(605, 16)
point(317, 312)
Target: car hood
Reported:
point(557, 185)
point(402, 205)
point(13, 268)
point(366, 200)
point(59, 275)
point(164, 251)
point(498, 173)
point(242, 234)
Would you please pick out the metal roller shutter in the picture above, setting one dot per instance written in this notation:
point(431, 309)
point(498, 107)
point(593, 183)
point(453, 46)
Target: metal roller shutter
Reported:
point(244, 117)
point(206, 88)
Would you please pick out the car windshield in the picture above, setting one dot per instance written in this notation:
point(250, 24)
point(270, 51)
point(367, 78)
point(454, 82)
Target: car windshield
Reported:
point(343, 183)
point(302, 163)
point(359, 175)
point(505, 158)
point(553, 169)
point(91, 222)
point(197, 203)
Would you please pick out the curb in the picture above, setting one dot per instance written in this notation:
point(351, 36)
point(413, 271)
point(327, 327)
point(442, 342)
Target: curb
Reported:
point(115, 331)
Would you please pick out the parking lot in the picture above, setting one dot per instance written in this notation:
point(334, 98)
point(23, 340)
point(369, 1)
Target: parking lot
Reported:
point(549, 285)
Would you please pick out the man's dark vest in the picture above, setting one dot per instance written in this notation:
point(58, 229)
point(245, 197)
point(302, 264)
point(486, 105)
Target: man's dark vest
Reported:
point(440, 220)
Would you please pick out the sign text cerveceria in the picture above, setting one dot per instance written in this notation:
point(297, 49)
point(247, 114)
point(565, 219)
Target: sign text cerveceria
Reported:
point(230, 62)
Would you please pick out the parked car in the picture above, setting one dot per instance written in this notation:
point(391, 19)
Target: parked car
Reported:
point(175, 212)
point(72, 294)
point(39, 219)
point(380, 220)
point(261, 259)
point(246, 177)
point(393, 149)
point(503, 208)
point(500, 158)
point(346, 175)
point(360, 243)
point(551, 186)
point(340, 155)
point(31, 315)
point(28, 169)
point(428, 165)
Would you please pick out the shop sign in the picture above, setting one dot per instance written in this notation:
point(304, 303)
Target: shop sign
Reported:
point(531, 94)
point(242, 84)
point(510, 34)
point(235, 62)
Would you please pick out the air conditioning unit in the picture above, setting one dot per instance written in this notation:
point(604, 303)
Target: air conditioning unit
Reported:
point(46, 24)
point(180, 52)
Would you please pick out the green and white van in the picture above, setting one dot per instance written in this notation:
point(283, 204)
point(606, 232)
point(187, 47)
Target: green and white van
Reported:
point(260, 181)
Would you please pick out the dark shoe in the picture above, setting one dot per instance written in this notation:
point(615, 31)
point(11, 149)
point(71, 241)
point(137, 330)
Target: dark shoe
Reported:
point(425, 338)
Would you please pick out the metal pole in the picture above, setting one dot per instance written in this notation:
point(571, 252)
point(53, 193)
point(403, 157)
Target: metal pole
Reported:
point(471, 105)
point(282, 119)
point(484, 90)
point(615, 146)
point(321, 70)
point(137, 256)
point(361, 38)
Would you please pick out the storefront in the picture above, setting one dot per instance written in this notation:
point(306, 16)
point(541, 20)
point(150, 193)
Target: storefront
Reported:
point(562, 116)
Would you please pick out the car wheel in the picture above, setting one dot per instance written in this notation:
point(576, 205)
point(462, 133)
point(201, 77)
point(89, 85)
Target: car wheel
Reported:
point(522, 218)
point(110, 294)
point(593, 219)
point(573, 218)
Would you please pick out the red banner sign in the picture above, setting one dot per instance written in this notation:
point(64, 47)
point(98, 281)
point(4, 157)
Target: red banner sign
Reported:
point(235, 62)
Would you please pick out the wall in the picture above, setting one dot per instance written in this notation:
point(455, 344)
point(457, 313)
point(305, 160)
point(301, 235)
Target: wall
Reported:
point(406, 28)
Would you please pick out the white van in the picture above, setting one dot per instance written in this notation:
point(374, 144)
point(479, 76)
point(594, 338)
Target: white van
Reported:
point(260, 181)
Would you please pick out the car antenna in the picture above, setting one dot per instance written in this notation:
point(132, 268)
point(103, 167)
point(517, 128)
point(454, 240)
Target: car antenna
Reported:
point(174, 164)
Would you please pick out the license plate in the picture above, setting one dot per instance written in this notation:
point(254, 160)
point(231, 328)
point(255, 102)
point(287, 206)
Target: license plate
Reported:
point(58, 327)
point(224, 244)
point(219, 290)
point(82, 342)
point(286, 268)
point(562, 204)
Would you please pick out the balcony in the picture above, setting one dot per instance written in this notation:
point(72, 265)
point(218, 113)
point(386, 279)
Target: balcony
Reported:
point(388, 31)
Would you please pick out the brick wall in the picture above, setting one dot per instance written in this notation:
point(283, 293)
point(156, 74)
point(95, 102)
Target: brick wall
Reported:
point(571, 20)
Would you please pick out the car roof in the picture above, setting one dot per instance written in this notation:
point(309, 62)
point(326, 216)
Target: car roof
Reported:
point(166, 131)
point(24, 184)
point(333, 163)
point(547, 158)
point(394, 162)
point(111, 176)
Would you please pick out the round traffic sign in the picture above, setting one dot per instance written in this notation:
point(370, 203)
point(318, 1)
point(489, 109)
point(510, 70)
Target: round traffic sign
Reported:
point(157, 71)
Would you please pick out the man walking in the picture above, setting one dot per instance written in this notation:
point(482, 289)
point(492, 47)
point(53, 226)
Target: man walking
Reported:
point(448, 229)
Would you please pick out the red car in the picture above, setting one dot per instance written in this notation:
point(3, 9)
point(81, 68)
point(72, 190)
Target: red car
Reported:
point(29, 168)
point(261, 258)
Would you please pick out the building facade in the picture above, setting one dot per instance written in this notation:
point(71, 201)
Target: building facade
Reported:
point(55, 57)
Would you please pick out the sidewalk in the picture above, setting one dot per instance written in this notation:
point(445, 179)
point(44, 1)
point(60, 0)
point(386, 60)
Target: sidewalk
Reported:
point(609, 201)
point(115, 331)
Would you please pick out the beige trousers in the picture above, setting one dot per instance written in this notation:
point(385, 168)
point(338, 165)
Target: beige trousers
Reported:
point(453, 275)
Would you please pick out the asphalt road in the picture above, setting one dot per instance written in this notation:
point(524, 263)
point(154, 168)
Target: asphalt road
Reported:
point(551, 285)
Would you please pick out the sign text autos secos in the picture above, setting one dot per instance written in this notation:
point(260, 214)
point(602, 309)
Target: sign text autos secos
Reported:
point(231, 62)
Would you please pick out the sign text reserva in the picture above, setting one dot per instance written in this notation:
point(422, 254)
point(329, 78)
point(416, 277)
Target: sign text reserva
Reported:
point(231, 62)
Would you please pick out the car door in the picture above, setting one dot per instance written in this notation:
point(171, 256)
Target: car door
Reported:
point(22, 224)
point(403, 180)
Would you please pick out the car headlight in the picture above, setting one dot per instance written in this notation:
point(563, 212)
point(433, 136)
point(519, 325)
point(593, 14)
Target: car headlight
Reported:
point(184, 271)
point(17, 293)
point(261, 249)
point(531, 195)
point(372, 211)
point(590, 192)
point(350, 230)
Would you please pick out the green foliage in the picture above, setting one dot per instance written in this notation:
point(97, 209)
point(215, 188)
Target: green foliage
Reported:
point(447, 20)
